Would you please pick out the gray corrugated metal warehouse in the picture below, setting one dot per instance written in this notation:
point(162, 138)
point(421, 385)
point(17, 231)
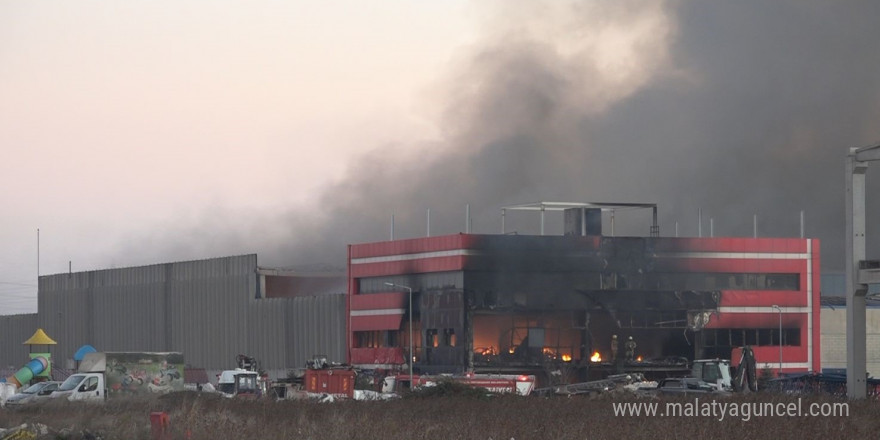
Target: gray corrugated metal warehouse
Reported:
point(15, 329)
point(211, 310)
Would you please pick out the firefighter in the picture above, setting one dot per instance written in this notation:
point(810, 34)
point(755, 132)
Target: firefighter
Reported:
point(630, 348)
point(614, 348)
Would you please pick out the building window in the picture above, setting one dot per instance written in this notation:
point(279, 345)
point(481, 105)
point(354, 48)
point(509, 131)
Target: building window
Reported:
point(432, 337)
point(728, 281)
point(449, 337)
point(756, 337)
point(791, 336)
point(377, 339)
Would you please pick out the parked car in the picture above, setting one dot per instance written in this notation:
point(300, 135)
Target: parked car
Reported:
point(32, 394)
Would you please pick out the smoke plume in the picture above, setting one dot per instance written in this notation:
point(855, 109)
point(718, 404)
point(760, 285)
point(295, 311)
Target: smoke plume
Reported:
point(733, 108)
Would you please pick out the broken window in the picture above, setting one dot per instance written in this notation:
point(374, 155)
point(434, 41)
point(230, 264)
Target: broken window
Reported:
point(449, 337)
point(727, 281)
point(432, 338)
point(377, 338)
point(366, 339)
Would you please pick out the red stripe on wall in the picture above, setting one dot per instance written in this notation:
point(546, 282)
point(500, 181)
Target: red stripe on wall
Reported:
point(727, 244)
point(438, 264)
point(376, 301)
point(731, 265)
point(756, 298)
point(376, 322)
point(413, 246)
point(758, 320)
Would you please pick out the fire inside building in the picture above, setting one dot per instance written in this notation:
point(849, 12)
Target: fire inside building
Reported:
point(582, 302)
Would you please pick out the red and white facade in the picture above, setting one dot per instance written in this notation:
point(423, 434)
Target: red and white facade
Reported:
point(763, 283)
point(798, 309)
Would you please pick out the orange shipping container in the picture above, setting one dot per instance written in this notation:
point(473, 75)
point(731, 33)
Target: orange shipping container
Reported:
point(339, 382)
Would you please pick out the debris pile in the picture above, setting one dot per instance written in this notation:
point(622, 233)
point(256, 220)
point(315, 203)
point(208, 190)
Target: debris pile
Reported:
point(617, 382)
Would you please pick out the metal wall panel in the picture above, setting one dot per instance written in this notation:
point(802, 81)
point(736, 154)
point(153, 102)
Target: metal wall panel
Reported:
point(267, 342)
point(63, 304)
point(128, 309)
point(316, 326)
point(15, 329)
point(206, 309)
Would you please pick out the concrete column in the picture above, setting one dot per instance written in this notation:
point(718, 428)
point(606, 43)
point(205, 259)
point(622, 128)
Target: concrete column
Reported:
point(856, 341)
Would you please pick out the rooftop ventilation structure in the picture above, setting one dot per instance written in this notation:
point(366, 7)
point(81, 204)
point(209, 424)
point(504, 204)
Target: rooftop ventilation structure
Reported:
point(582, 218)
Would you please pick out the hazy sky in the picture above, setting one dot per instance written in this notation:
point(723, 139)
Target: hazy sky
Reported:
point(145, 132)
point(131, 118)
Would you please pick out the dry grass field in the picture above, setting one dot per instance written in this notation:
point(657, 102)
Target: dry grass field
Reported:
point(449, 416)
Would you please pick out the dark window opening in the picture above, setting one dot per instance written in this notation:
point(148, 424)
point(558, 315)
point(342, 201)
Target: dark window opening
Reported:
point(432, 338)
point(449, 337)
point(377, 339)
point(762, 337)
point(728, 281)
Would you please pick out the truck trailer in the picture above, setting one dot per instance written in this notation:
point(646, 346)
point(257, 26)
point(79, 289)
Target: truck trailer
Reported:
point(102, 375)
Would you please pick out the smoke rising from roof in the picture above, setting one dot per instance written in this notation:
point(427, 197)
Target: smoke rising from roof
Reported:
point(735, 108)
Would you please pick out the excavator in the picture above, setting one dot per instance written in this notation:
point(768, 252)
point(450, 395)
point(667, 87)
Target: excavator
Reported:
point(719, 372)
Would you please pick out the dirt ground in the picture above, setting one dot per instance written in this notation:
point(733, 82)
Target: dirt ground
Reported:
point(204, 416)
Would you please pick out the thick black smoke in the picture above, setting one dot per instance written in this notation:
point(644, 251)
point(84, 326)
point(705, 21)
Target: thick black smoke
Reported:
point(743, 108)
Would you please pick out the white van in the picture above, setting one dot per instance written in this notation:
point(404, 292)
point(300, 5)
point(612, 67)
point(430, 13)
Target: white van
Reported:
point(82, 387)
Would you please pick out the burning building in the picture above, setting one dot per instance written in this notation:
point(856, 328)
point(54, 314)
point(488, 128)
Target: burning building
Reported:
point(517, 303)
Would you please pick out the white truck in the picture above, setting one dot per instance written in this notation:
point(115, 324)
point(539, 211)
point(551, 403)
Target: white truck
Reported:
point(102, 375)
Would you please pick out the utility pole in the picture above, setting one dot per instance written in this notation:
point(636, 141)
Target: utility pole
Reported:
point(857, 280)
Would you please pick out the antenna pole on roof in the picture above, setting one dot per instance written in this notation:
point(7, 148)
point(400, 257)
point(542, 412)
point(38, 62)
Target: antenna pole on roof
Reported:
point(700, 223)
point(802, 224)
point(542, 219)
point(655, 228)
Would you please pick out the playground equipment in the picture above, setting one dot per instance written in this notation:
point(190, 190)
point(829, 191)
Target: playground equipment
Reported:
point(38, 366)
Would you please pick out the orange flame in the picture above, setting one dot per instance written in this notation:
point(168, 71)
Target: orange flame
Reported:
point(639, 359)
point(566, 358)
point(596, 357)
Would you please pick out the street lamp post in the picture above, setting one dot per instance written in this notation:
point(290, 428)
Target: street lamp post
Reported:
point(779, 374)
point(410, 360)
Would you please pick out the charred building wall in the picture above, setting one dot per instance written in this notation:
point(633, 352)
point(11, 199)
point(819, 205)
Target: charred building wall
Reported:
point(509, 303)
